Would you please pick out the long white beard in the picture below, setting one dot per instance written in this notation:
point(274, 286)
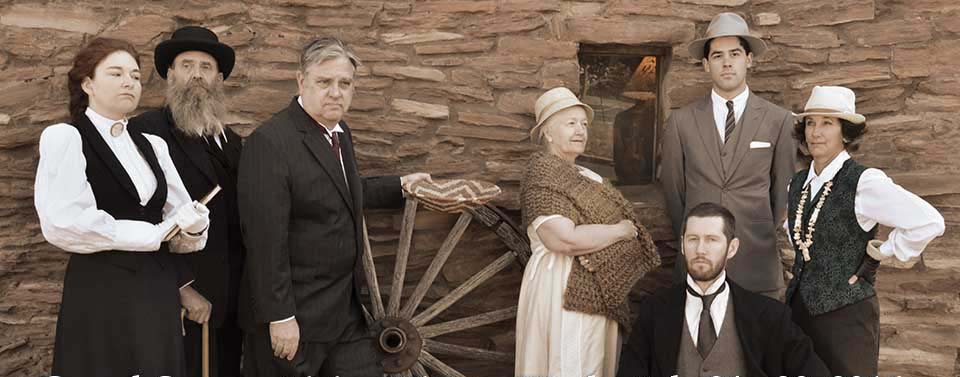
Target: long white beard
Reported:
point(197, 108)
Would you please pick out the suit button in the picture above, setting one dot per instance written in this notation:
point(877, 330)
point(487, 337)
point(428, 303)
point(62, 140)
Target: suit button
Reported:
point(723, 154)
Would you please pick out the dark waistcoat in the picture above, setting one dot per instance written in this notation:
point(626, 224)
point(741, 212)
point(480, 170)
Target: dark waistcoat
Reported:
point(839, 244)
point(725, 358)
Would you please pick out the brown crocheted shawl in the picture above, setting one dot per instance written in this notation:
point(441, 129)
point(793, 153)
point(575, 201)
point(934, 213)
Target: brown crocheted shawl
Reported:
point(552, 186)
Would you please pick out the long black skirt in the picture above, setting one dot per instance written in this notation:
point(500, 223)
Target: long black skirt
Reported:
point(846, 339)
point(119, 321)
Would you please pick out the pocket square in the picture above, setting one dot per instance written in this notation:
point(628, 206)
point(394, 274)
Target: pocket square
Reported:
point(759, 144)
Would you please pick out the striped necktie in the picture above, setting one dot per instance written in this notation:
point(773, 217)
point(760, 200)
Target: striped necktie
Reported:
point(730, 124)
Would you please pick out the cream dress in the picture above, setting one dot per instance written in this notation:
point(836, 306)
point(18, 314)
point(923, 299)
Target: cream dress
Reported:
point(551, 341)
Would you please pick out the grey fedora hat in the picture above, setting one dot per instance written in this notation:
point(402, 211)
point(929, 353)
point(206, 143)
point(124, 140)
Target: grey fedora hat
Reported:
point(727, 25)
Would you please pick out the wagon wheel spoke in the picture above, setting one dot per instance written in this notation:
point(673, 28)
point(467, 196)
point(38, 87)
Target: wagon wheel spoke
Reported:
point(440, 367)
point(438, 307)
point(418, 370)
point(471, 353)
point(370, 270)
point(468, 322)
point(403, 251)
point(438, 261)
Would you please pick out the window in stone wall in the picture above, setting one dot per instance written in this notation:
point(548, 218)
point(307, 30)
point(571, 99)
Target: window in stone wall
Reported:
point(622, 84)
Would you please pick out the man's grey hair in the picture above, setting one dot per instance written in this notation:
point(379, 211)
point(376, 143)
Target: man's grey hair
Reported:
point(327, 48)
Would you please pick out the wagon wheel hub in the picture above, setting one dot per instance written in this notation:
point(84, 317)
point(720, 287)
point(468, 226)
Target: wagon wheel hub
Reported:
point(400, 341)
point(406, 332)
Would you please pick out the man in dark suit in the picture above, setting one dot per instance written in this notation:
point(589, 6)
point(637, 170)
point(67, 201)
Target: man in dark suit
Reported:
point(733, 148)
point(206, 155)
point(301, 206)
point(710, 325)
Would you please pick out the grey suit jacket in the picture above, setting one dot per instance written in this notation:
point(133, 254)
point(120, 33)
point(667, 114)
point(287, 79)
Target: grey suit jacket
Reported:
point(749, 177)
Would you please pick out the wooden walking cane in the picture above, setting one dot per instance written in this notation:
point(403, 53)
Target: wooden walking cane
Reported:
point(206, 349)
point(205, 353)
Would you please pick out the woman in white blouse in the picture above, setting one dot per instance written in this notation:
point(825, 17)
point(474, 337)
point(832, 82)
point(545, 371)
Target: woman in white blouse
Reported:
point(564, 326)
point(108, 196)
point(834, 209)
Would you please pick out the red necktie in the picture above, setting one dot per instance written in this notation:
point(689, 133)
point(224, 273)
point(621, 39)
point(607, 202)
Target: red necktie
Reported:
point(334, 140)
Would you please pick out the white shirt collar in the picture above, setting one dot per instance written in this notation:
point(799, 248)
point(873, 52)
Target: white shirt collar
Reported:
point(336, 128)
point(103, 124)
point(712, 288)
point(828, 172)
point(739, 101)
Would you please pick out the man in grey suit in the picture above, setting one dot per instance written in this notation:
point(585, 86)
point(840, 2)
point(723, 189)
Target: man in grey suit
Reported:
point(733, 148)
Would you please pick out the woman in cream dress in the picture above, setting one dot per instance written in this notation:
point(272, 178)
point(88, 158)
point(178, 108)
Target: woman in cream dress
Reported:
point(551, 340)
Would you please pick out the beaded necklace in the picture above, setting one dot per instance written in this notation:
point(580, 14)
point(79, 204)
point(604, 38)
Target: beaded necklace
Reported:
point(805, 244)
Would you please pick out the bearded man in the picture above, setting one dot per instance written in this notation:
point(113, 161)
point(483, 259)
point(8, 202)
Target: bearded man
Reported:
point(709, 325)
point(206, 154)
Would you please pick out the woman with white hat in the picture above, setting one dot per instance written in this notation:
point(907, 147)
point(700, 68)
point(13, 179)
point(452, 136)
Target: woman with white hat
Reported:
point(833, 212)
point(588, 251)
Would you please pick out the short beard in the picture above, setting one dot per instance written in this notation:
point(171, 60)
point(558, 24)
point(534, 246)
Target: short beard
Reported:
point(710, 274)
point(197, 108)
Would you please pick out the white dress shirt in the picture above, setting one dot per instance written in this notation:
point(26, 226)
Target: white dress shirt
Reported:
point(694, 305)
point(720, 110)
point(67, 208)
point(881, 201)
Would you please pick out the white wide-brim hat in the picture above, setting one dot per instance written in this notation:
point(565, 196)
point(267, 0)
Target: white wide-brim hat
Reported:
point(552, 102)
point(727, 25)
point(833, 101)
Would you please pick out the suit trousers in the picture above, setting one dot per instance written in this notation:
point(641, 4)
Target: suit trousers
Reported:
point(354, 354)
point(846, 339)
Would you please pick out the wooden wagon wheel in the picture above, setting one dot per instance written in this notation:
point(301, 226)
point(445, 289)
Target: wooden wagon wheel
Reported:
point(407, 337)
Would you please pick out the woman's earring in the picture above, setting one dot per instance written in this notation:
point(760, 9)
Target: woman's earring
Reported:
point(846, 141)
point(549, 139)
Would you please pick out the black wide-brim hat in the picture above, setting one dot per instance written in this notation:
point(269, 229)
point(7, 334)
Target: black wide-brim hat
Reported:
point(193, 38)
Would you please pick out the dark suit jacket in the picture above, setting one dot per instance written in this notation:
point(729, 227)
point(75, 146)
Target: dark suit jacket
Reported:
point(753, 187)
point(218, 266)
point(772, 344)
point(303, 225)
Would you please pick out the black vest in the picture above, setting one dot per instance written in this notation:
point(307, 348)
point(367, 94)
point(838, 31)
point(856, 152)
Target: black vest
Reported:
point(115, 192)
point(839, 244)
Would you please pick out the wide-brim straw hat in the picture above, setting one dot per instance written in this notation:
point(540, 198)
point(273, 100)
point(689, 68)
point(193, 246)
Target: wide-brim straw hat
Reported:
point(833, 101)
point(727, 25)
point(552, 102)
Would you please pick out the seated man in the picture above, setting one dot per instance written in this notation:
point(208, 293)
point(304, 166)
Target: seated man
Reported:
point(739, 334)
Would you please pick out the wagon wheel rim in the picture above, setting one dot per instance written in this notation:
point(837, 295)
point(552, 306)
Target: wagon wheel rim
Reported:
point(406, 337)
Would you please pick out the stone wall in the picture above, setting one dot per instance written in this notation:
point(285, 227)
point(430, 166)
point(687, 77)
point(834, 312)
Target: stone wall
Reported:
point(448, 87)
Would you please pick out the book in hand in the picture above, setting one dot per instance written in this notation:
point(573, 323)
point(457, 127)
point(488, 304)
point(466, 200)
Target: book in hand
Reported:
point(206, 199)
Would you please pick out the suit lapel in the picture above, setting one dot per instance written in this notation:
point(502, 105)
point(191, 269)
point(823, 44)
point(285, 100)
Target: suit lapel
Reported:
point(89, 132)
point(194, 150)
point(752, 116)
point(668, 342)
point(321, 150)
point(747, 318)
point(707, 127)
point(232, 148)
point(350, 164)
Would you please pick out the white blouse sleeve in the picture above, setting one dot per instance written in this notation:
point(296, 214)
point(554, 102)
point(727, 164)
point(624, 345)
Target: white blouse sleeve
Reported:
point(177, 196)
point(67, 208)
point(914, 221)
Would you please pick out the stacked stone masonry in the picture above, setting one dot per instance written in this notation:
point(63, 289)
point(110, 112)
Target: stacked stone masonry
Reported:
point(448, 87)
